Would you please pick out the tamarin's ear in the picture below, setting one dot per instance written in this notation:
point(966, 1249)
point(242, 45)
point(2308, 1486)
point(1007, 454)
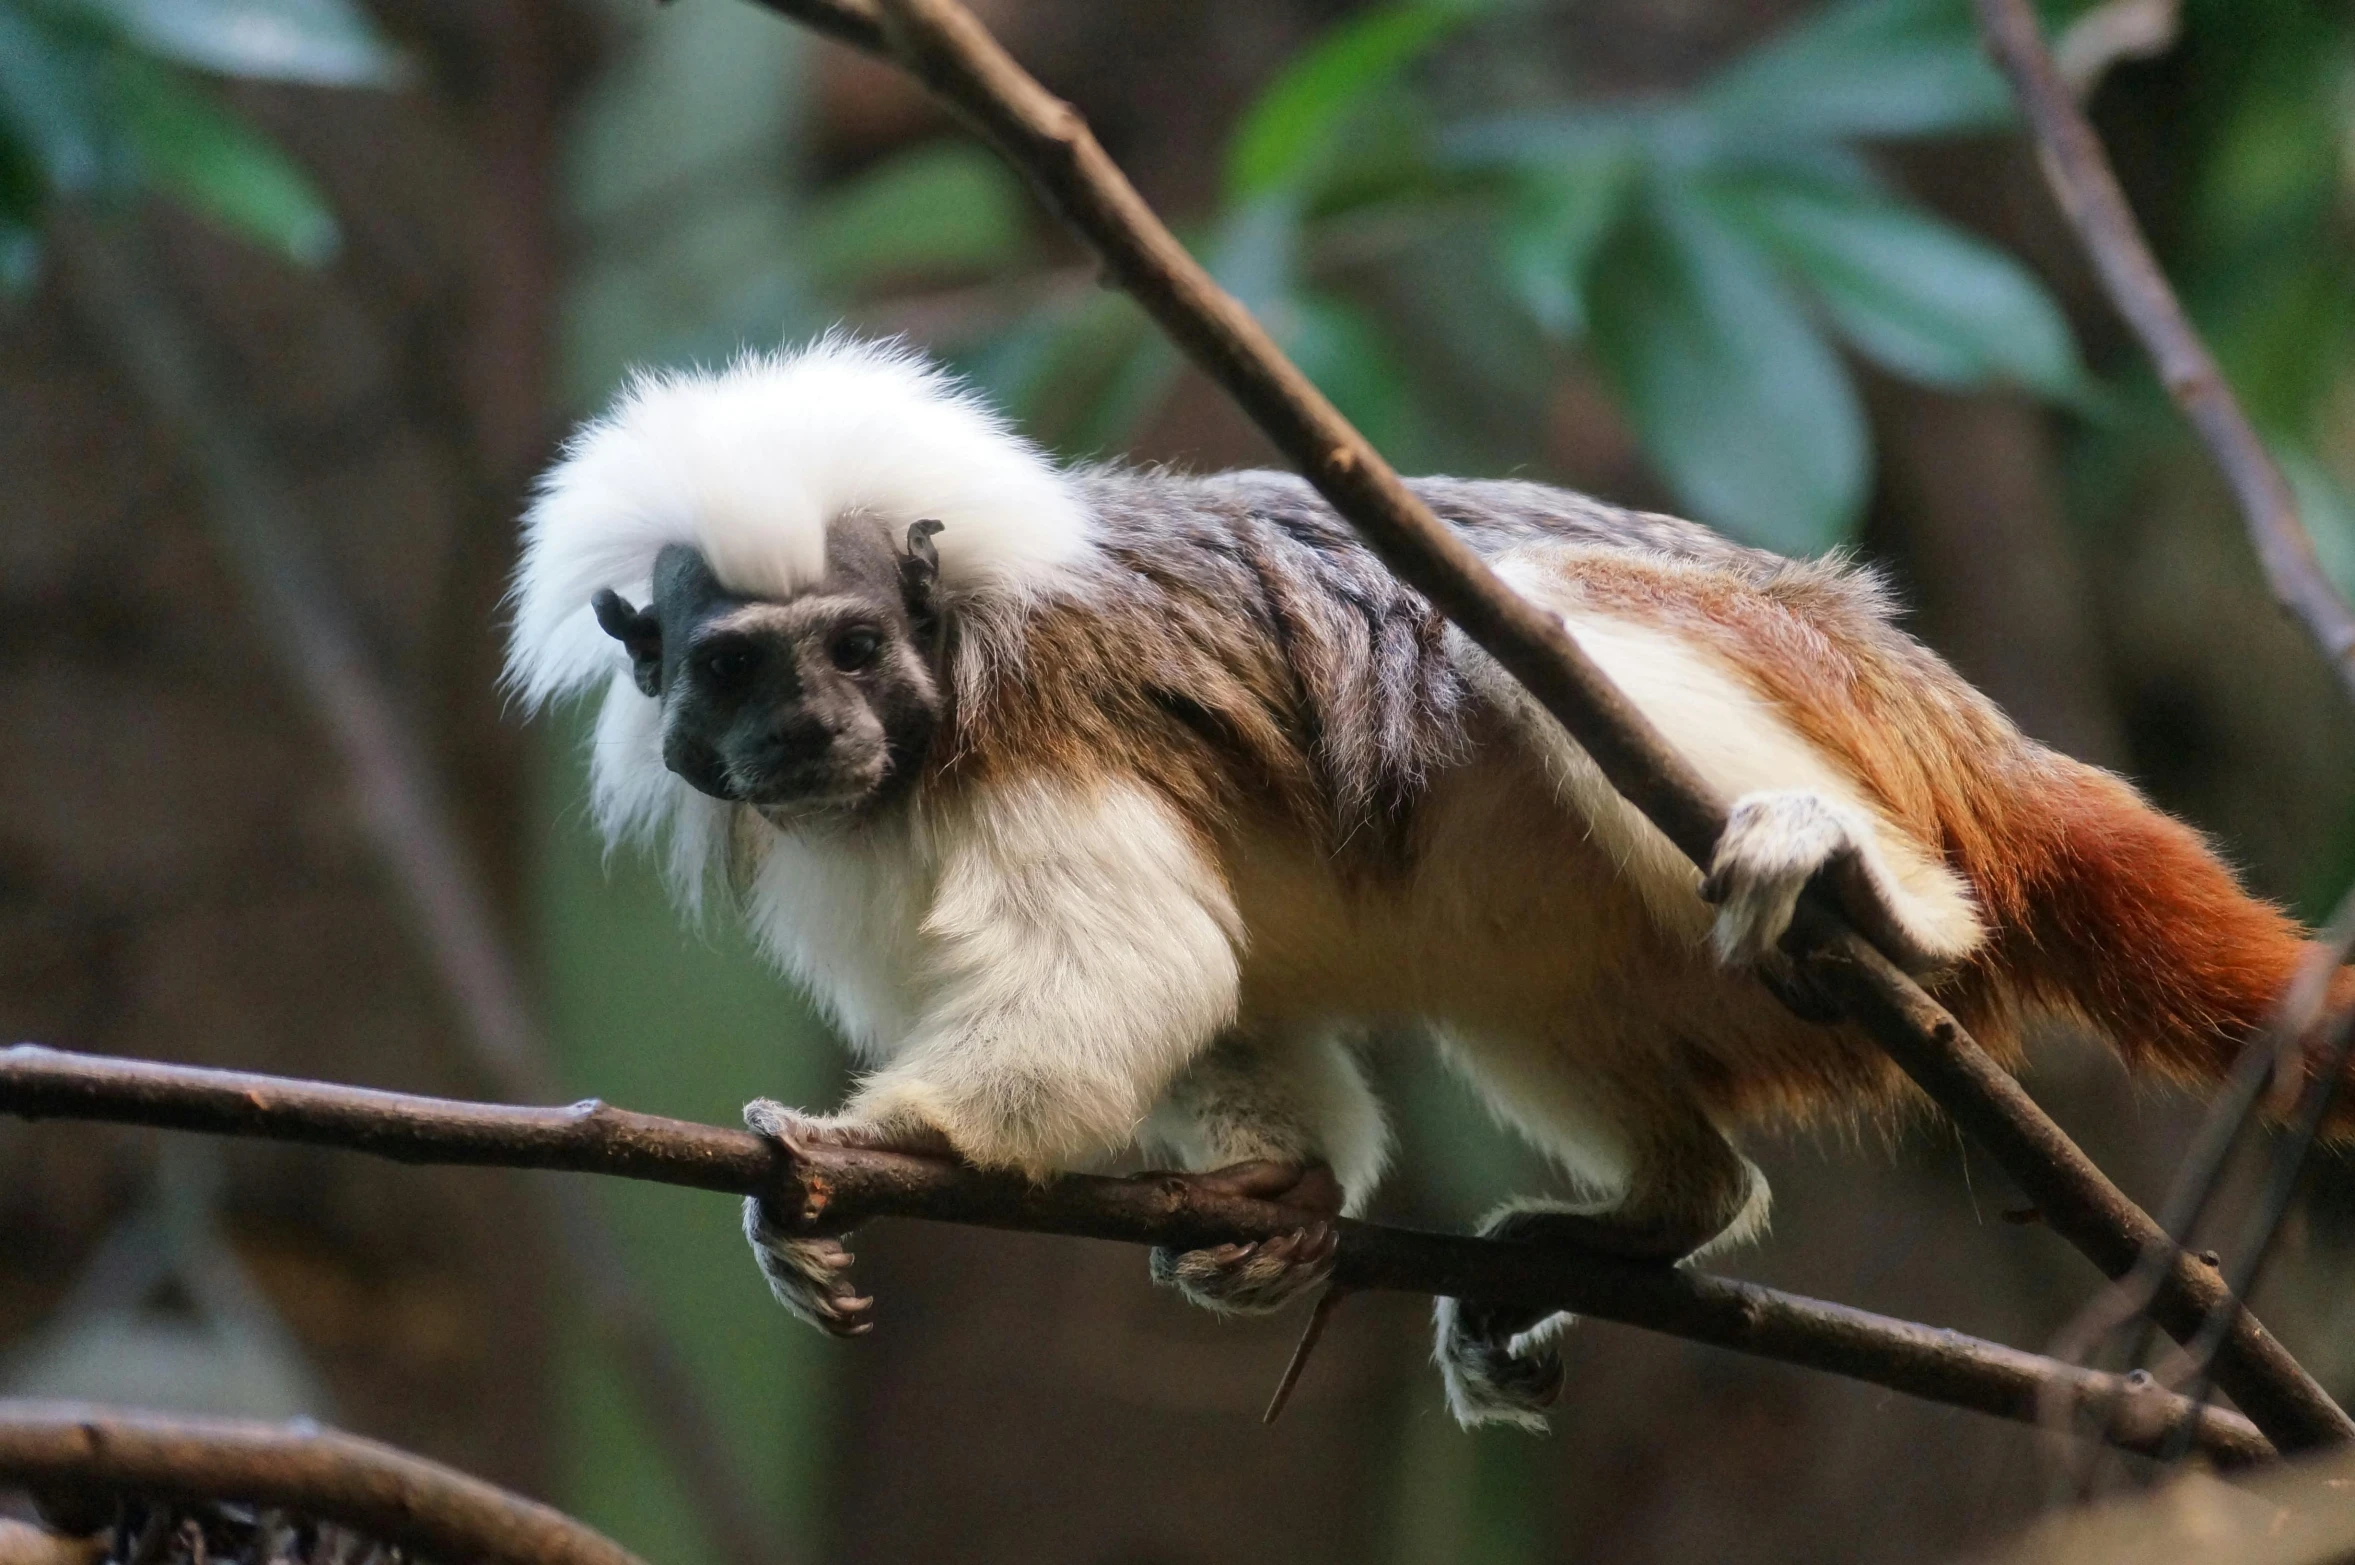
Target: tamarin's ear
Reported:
point(919, 574)
point(640, 633)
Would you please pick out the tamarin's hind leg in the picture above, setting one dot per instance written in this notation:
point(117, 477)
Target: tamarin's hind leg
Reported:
point(1688, 1188)
point(1284, 1119)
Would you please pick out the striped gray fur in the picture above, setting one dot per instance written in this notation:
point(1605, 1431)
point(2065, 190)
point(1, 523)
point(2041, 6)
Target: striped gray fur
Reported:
point(1255, 568)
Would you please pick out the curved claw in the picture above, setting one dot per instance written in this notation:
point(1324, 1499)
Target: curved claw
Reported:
point(798, 1131)
point(1252, 1279)
point(810, 1274)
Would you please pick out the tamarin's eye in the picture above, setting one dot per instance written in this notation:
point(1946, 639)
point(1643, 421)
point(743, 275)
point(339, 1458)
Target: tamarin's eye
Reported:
point(726, 665)
point(854, 650)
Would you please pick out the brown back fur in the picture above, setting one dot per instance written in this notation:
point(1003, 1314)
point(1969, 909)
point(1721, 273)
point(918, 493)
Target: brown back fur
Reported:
point(1247, 657)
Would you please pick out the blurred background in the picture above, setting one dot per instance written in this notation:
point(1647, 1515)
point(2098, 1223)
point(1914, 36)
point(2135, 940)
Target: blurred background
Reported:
point(300, 293)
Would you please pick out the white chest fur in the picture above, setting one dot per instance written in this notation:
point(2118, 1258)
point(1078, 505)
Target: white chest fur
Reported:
point(842, 911)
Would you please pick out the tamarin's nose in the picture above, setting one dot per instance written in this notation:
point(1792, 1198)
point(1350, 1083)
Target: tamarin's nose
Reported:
point(801, 739)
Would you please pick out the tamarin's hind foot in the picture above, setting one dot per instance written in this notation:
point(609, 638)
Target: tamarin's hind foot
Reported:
point(1264, 1276)
point(809, 1276)
point(1498, 1365)
point(1502, 1363)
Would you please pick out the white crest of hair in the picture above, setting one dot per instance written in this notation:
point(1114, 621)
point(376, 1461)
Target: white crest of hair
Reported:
point(751, 465)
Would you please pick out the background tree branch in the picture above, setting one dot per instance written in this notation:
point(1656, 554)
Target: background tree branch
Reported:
point(2089, 195)
point(1047, 140)
point(832, 1189)
point(318, 1473)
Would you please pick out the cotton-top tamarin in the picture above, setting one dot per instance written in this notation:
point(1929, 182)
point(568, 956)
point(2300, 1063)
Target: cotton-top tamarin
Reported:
point(1104, 804)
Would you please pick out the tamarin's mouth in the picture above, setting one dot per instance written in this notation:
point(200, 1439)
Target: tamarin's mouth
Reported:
point(799, 792)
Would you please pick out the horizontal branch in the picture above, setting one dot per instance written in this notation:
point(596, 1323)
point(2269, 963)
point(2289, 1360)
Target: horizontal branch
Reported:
point(832, 1189)
point(1049, 143)
point(318, 1473)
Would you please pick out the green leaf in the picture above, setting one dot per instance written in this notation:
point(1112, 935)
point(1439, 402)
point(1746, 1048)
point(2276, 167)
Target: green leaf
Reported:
point(1079, 376)
point(52, 100)
point(327, 43)
point(199, 153)
point(1291, 130)
point(1255, 254)
point(1743, 405)
point(1545, 139)
point(947, 207)
point(1339, 348)
point(1553, 228)
point(1911, 292)
point(1872, 68)
point(2274, 164)
point(22, 189)
point(1670, 136)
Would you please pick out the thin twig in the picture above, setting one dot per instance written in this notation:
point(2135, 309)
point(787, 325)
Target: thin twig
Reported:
point(1310, 1335)
point(263, 539)
point(2273, 1055)
point(2255, 1247)
point(2090, 197)
point(2113, 32)
point(833, 1189)
point(371, 1488)
point(1047, 140)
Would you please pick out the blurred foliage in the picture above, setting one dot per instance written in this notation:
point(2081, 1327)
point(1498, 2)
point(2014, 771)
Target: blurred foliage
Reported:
point(1713, 246)
point(860, 236)
point(2261, 238)
point(1719, 255)
point(102, 99)
point(1709, 250)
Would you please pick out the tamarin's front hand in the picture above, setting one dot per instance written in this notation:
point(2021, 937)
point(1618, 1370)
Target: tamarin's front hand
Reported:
point(810, 1273)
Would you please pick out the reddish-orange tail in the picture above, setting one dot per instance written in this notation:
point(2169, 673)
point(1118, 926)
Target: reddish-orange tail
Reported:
point(2110, 910)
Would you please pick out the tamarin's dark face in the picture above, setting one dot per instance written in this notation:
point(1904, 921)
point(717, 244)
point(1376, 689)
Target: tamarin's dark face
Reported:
point(822, 703)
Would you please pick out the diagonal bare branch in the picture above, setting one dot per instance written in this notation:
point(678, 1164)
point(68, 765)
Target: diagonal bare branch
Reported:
point(2090, 197)
point(832, 1189)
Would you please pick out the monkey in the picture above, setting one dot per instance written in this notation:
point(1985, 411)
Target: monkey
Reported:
point(1101, 806)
